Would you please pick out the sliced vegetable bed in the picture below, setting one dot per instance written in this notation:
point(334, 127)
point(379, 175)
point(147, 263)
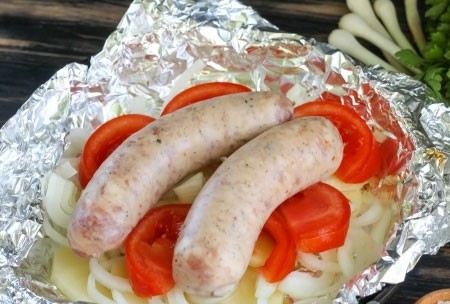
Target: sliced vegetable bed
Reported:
point(314, 220)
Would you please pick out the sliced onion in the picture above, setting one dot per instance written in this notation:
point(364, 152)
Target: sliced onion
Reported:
point(56, 236)
point(345, 258)
point(371, 215)
point(157, 300)
point(301, 285)
point(381, 228)
point(59, 191)
point(314, 262)
point(187, 190)
point(67, 168)
point(264, 289)
point(102, 275)
point(96, 295)
point(176, 296)
point(341, 186)
point(76, 139)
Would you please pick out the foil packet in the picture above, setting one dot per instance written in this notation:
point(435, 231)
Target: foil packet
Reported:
point(161, 47)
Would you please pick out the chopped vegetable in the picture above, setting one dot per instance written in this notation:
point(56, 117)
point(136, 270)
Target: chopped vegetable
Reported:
point(427, 60)
point(282, 259)
point(105, 139)
point(149, 249)
point(361, 156)
point(202, 92)
point(317, 218)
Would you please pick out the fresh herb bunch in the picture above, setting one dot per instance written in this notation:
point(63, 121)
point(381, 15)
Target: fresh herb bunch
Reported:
point(434, 64)
point(428, 60)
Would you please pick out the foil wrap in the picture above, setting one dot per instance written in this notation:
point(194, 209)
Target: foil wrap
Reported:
point(161, 47)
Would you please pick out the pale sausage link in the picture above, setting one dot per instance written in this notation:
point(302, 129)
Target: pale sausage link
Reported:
point(152, 160)
point(218, 236)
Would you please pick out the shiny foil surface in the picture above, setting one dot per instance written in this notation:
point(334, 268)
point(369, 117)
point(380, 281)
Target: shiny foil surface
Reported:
point(160, 48)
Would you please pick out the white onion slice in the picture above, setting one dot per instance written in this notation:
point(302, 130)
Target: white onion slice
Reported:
point(264, 290)
point(156, 300)
point(96, 295)
point(187, 190)
point(176, 296)
point(107, 279)
point(313, 262)
point(59, 191)
point(301, 285)
point(345, 258)
point(56, 236)
point(76, 139)
point(67, 167)
point(371, 215)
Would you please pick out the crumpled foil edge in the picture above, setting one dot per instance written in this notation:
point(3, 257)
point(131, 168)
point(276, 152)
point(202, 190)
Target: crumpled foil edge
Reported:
point(32, 141)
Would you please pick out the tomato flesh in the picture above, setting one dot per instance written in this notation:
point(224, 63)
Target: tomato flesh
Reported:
point(317, 218)
point(357, 137)
point(281, 260)
point(149, 249)
point(105, 139)
point(202, 92)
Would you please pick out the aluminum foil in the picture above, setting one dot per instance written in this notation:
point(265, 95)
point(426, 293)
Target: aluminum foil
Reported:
point(161, 47)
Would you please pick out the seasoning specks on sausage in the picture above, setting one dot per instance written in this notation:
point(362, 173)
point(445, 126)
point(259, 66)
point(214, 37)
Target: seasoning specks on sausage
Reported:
point(218, 236)
point(152, 160)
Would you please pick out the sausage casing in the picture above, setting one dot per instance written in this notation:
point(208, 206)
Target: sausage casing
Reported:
point(154, 159)
point(217, 239)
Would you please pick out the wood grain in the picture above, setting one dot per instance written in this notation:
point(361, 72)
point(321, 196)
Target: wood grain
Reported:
point(38, 37)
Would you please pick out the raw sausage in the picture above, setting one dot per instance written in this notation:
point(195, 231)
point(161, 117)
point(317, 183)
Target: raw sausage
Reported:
point(152, 160)
point(217, 239)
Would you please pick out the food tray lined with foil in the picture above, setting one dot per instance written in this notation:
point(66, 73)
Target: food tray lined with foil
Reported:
point(160, 48)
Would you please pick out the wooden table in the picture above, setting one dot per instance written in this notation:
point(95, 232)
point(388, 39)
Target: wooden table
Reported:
point(38, 37)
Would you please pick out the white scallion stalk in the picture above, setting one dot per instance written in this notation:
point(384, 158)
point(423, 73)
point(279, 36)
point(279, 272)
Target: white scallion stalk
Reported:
point(415, 24)
point(347, 43)
point(359, 28)
point(364, 9)
point(386, 11)
point(107, 279)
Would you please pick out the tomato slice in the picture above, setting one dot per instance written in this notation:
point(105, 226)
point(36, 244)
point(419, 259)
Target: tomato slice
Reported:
point(356, 135)
point(105, 139)
point(149, 249)
point(281, 260)
point(202, 92)
point(317, 218)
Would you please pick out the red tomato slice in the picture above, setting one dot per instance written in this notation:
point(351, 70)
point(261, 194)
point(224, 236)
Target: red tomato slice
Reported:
point(357, 137)
point(149, 249)
point(281, 260)
point(317, 218)
point(203, 92)
point(105, 139)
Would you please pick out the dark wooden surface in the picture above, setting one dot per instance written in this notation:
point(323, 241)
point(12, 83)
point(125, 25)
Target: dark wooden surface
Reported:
point(38, 37)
